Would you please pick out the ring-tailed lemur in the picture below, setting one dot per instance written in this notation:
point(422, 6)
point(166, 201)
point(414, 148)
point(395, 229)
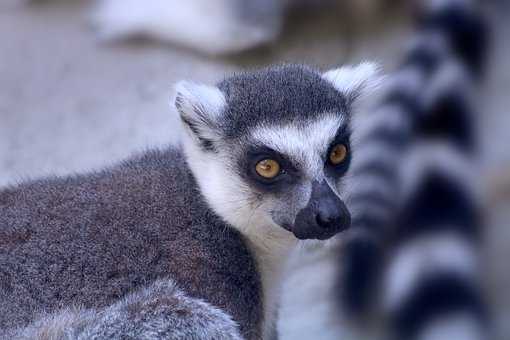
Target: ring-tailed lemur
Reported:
point(405, 232)
point(189, 242)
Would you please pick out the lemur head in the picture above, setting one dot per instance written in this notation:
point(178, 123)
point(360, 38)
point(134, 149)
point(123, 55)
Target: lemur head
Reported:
point(269, 148)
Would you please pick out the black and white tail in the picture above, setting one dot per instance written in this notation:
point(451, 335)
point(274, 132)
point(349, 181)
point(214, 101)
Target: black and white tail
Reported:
point(379, 146)
point(414, 248)
point(432, 287)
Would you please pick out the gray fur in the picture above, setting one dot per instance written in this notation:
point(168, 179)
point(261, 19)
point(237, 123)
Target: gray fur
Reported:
point(63, 325)
point(160, 311)
point(89, 240)
point(278, 95)
point(172, 315)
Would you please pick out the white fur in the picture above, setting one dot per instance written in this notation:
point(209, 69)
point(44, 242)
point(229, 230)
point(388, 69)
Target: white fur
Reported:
point(304, 142)
point(439, 5)
point(452, 75)
point(270, 243)
point(457, 326)
point(424, 257)
point(372, 184)
point(409, 79)
point(389, 117)
point(202, 104)
point(58, 325)
point(210, 26)
point(209, 98)
point(373, 210)
point(426, 156)
point(365, 153)
point(355, 81)
point(308, 310)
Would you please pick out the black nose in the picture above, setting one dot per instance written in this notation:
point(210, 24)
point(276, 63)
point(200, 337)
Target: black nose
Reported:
point(332, 215)
point(323, 217)
point(327, 220)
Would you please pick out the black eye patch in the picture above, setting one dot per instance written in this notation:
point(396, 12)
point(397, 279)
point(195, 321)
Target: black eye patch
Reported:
point(343, 137)
point(253, 155)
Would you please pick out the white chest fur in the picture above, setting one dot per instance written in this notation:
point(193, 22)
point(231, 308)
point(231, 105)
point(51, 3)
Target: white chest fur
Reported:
point(271, 266)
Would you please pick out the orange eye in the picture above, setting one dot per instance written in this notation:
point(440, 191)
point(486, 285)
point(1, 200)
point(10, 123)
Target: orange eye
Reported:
point(338, 154)
point(268, 168)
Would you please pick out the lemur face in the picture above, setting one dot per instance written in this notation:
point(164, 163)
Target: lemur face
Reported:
point(296, 170)
point(271, 147)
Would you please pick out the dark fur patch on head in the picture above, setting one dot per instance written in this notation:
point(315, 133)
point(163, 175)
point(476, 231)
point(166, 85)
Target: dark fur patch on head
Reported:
point(277, 95)
point(253, 154)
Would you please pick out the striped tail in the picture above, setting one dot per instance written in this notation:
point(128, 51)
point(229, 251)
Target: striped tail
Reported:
point(432, 284)
point(428, 100)
point(432, 287)
point(380, 145)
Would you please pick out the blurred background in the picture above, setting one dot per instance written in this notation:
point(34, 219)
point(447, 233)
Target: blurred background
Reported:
point(85, 84)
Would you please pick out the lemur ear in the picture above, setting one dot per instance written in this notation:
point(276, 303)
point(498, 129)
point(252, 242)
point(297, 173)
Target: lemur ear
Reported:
point(199, 107)
point(357, 81)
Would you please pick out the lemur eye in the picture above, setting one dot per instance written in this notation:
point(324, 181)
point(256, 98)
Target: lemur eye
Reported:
point(268, 168)
point(338, 154)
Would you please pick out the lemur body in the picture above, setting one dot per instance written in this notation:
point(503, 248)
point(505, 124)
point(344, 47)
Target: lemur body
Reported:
point(186, 242)
point(127, 238)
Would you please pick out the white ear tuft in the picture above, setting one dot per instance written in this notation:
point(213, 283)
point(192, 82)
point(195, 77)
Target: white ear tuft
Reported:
point(199, 107)
point(355, 81)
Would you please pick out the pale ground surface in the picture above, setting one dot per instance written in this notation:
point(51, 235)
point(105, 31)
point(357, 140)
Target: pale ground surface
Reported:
point(69, 104)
